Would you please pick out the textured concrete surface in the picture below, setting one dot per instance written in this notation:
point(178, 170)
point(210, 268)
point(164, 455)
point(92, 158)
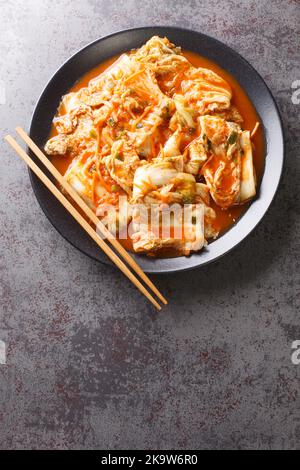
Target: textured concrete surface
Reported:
point(89, 365)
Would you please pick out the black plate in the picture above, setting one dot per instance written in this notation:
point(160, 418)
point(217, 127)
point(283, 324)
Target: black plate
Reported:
point(250, 80)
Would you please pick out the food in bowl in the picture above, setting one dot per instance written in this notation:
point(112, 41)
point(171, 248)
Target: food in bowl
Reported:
point(156, 130)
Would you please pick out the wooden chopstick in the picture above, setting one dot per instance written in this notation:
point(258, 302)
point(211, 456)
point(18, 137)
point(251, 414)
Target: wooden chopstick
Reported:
point(90, 214)
point(78, 217)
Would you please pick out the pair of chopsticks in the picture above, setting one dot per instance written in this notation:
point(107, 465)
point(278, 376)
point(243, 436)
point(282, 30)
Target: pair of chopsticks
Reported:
point(81, 220)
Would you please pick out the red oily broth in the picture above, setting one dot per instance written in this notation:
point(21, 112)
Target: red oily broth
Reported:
point(225, 218)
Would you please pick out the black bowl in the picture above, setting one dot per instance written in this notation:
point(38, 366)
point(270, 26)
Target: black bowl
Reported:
point(250, 80)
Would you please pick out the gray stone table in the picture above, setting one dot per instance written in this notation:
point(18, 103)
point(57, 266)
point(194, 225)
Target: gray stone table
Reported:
point(88, 363)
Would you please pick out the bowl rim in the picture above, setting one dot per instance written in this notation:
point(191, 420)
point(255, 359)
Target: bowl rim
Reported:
point(282, 150)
